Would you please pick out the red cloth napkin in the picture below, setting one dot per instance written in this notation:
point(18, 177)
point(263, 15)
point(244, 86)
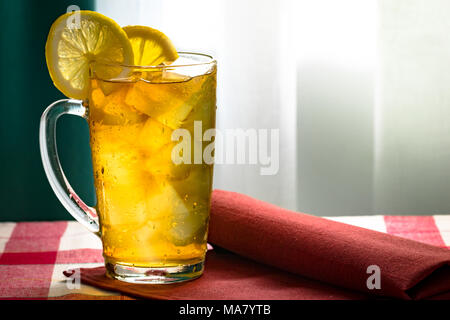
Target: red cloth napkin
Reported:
point(326, 250)
point(323, 259)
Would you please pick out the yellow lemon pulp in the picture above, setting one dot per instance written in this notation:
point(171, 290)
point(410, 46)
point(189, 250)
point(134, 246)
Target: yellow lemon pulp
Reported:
point(78, 39)
point(150, 46)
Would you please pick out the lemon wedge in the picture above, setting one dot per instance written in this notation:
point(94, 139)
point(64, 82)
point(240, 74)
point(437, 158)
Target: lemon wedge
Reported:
point(77, 40)
point(150, 46)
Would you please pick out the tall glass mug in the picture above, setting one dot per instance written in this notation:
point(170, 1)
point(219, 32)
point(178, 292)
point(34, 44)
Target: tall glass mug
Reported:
point(153, 193)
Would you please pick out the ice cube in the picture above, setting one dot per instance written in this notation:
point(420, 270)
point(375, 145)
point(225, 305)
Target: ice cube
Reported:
point(159, 75)
point(97, 97)
point(195, 190)
point(160, 164)
point(188, 228)
point(184, 223)
point(204, 106)
point(111, 109)
point(154, 136)
point(169, 103)
point(108, 87)
point(146, 236)
point(165, 202)
point(155, 141)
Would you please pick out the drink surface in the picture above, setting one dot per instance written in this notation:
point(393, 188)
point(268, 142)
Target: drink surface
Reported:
point(153, 212)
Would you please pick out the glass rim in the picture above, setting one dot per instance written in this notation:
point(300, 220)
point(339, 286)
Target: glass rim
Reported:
point(211, 61)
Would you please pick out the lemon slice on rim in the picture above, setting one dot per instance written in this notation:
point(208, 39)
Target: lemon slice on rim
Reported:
point(76, 42)
point(150, 46)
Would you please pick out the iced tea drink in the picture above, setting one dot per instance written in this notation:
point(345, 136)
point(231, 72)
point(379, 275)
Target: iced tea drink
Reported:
point(153, 212)
point(147, 106)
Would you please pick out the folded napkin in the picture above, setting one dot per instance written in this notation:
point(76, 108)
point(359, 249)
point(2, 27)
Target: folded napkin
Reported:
point(323, 259)
point(326, 250)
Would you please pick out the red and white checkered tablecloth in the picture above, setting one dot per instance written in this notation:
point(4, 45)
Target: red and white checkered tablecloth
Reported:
point(33, 255)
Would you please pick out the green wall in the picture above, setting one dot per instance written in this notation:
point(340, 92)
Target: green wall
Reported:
point(25, 91)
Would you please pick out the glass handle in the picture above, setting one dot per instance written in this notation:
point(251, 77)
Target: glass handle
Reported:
point(84, 214)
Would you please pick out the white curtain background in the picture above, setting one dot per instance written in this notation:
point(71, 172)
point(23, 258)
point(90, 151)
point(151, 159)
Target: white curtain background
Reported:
point(358, 88)
point(412, 164)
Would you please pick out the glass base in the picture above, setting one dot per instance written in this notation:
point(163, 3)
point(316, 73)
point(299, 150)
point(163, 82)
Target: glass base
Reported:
point(154, 275)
